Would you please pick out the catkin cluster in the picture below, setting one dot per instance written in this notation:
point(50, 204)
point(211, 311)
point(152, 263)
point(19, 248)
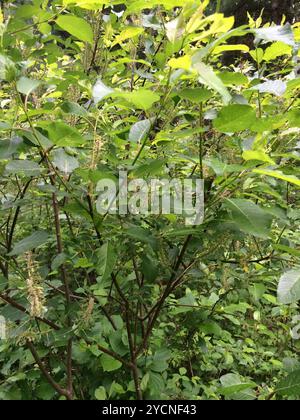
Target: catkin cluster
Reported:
point(35, 291)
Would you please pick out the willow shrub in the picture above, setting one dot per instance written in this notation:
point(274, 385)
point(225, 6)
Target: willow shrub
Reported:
point(143, 306)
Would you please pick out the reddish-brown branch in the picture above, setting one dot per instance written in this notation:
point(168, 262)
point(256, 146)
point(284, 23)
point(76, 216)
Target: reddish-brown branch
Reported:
point(61, 391)
point(21, 308)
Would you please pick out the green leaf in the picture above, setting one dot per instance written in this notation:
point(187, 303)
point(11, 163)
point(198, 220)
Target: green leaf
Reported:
point(211, 328)
point(276, 33)
point(287, 250)
point(249, 217)
point(183, 62)
point(221, 168)
point(116, 389)
point(209, 78)
point(116, 342)
point(31, 242)
point(238, 47)
point(100, 394)
point(27, 86)
point(109, 364)
point(233, 384)
point(74, 109)
point(139, 131)
point(278, 49)
point(275, 87)
point(7, 69)
point(58, 261)
point(233, 78)
point(289, 287)
point(175, 29)
point(196, 95)
point(101, 91)
point(88, 4)
point(9, 147)
point(145, 381)
point(141, 99)
point(160, 360)
point(37, 138)
point(62, 134)
point(257, 291)
point(3, 283)
point(279, 175)
point(128, 33)
point(257, 155)
point(142, 235)
point(290, 386)
point(106, 260)
point(149, 268)
point(77, 27)
point(257, 55)
point(64, 162)
point(235, 118)
point(23, 167)
point(294, 117)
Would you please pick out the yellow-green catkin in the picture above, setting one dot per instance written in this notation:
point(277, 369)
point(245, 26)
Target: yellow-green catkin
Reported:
point(35, 291)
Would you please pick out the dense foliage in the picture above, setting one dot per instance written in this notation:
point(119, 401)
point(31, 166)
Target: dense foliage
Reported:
point(131, 307)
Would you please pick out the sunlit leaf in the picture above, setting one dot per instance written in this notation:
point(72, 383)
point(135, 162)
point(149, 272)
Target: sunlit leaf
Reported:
point(276, 33)
point(279, 175)
point(289, 287)
point(77, 27)
point(139, 131)
point(234, 118)
point(209, 78)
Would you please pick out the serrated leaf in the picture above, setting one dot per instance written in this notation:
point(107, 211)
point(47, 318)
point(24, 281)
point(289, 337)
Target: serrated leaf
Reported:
point(235, 118)
point(249, 217)
point(62, 134)
point(233, 384)
point(31, 242)
point(23, 167)
point(109, 364)
point(64, 162)
point(106, 261)
point(139, 131)
point(290, 386)
point(289, 287)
